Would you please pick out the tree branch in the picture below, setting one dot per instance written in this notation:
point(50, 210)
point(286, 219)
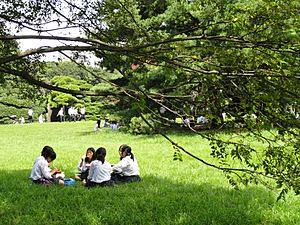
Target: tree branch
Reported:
point(13, 105)
point(32, 80)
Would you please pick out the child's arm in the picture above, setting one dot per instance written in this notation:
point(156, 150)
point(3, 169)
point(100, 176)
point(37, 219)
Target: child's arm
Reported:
point(80, 164)
point(46, 172)
point(54, 171)
point(118, 168)
point(91, 171)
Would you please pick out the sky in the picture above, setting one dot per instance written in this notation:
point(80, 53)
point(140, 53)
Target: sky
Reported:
point(36, 43)
point(55, 56)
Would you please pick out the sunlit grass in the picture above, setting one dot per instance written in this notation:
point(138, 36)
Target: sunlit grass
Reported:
point(171, 192)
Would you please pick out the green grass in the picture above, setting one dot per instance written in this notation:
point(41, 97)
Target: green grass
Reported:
point(171, 192)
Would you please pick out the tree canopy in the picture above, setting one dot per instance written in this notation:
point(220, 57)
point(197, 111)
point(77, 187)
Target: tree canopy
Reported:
point(193, 57)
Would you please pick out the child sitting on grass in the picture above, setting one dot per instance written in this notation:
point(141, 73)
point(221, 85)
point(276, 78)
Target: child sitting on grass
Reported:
point(84, 164)
point(41, 173)
point(127, 170)
point(100, 170)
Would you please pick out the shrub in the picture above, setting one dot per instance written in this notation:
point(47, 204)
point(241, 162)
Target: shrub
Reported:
point(138, 126)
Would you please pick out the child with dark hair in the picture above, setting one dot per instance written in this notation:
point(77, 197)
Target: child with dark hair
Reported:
point(41, 173)
point(127, 170)
point(85, 163)
point(100, 170)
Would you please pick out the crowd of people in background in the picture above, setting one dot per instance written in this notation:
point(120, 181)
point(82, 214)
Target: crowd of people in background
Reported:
point(114, 125)
point(22, 120)
point(73, 114)
point(94, 169)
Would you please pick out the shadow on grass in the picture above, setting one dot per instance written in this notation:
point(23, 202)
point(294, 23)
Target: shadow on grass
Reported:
point(92, 132)
point(87, 133)
point(153, 201)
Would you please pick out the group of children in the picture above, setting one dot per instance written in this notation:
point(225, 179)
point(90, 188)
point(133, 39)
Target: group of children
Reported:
point(94, 169)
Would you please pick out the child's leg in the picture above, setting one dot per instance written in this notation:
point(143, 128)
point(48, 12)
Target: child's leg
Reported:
point(44, 181)
point(78, 176)
point(117, 178)
point(84, 175)
point(108, 183)
point(59, 181)
point(90, 184)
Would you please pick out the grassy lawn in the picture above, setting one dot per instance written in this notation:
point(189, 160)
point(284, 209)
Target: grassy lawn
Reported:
point(171, 192)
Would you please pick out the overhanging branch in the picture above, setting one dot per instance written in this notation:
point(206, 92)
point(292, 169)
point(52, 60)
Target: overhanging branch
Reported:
point(124, 92)
point(13, 105)
point(32, 80)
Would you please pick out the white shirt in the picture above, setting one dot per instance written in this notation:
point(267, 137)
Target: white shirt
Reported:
point(22, 119)
point(99, 172)
point(186, 122)
point(30, 112)
point(162, 110)
point(202, 119)
point(70, 111)
point(40, 169)
point(41, 119)
point(60, 112)
point(82, 111)
point(127, 167)
point(84, 166)
point(114, 126)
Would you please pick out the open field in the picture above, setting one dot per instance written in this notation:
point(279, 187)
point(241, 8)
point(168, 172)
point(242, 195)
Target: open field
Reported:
point(171, 192)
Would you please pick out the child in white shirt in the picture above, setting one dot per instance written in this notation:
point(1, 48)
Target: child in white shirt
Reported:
point(127, 170)
point(85, 163)
point(41, 173)
point(100, 170)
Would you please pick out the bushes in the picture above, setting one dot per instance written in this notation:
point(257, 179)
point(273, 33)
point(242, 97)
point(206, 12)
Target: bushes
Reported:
point(139, 126)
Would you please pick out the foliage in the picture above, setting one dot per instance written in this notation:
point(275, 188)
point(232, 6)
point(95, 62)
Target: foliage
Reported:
point(70, 75)
point(61, 99)
point(138, 125)
point(192, 58)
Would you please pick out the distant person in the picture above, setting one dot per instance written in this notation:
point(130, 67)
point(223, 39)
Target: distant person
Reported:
point(202, 119)
point(84, 164)
point(82, 113)
point(114, 125)
point(106, 122)
point(186, 121)
point(61, 114)
point(30, 115)
point(100, 171)
point(75, 114)
point(224, 115)
point(127, 169)
point(99, 122)
point(97, 125)
point(22, 120)
point(41, 173)
point(41, 118)
point(71, 114)
point(162, 110)
point(14, 118)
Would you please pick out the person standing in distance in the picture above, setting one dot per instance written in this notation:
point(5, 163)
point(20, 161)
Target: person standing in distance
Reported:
point(61, 114)
point(82, 113)
point(30, 115)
